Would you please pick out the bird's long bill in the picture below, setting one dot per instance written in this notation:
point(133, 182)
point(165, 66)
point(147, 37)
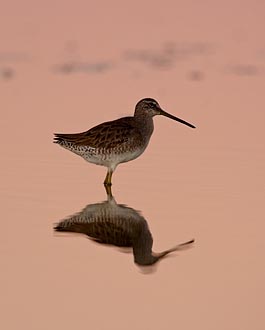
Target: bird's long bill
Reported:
point(164, 113)
point(179, 247)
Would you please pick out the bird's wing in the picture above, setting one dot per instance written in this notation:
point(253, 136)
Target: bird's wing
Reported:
point(112, 231)
point(108, 135)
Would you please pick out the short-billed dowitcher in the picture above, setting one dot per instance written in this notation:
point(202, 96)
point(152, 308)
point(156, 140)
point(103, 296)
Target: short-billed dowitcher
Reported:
point(117, 141)
point(119, 225)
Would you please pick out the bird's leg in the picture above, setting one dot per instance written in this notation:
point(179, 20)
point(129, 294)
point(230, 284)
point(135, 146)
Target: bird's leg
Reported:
point(107, 181)
point(108, 192)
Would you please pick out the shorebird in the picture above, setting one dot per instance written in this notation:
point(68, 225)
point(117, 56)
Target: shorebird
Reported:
point(117, 141)
point(115, 224)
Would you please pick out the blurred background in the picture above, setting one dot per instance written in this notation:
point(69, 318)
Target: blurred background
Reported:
point(66, 66)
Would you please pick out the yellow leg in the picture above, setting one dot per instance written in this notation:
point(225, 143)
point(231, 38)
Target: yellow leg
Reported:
point(108, 191)
point(107, 181)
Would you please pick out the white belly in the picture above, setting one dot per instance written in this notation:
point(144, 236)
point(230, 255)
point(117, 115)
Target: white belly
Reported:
point(105, 157)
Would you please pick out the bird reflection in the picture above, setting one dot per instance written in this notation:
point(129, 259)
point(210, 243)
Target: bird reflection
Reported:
point(119, 225)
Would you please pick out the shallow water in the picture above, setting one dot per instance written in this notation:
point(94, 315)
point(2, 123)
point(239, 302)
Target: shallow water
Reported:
point(205, 184)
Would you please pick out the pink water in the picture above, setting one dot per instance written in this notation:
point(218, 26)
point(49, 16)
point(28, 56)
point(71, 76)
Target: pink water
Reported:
point(67, 66)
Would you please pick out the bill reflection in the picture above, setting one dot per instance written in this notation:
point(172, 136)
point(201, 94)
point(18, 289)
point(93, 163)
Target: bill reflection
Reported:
point(118, 225)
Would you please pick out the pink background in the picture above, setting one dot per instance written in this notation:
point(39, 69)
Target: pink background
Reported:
point(66, 66)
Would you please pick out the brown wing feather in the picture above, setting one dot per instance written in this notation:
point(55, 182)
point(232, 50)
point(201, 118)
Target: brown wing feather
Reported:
point(105, 232)
point(107, 135)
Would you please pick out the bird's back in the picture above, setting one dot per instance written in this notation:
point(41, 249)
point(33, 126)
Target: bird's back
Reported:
point(106, 135)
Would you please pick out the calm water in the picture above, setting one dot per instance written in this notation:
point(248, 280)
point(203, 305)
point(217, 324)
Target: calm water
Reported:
point(205, 184)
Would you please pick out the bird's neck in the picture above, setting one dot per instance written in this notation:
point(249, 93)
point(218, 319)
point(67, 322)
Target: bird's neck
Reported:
point(142, 246)
point(146, 124)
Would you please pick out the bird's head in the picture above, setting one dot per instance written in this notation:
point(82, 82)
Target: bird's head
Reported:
point(149, 108)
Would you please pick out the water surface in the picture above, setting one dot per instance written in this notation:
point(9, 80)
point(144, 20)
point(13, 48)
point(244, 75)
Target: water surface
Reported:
point(203, 63)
